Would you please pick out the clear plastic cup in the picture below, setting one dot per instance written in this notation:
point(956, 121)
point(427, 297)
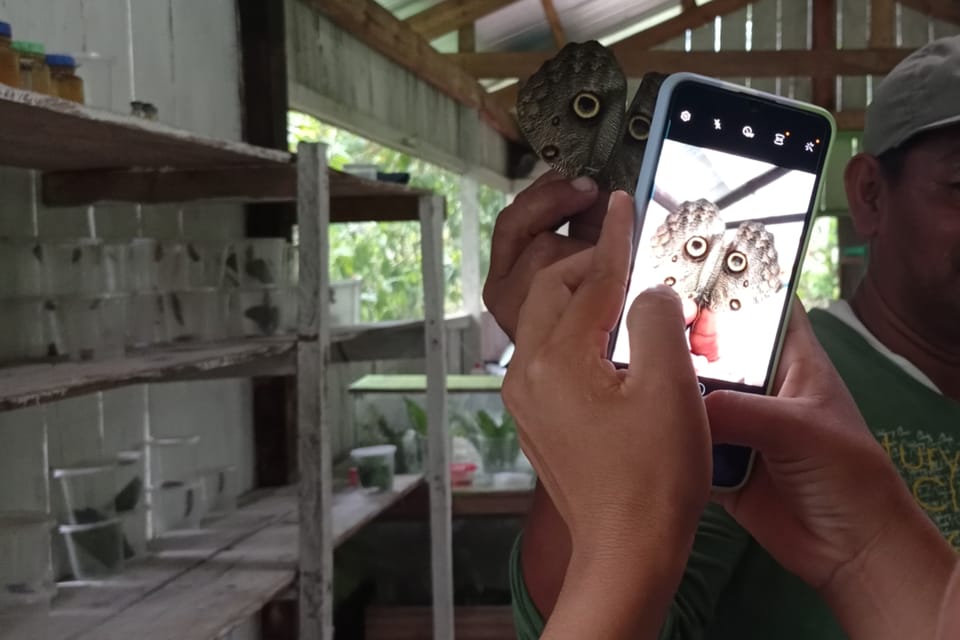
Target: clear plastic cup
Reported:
point(172, 458)
point(134, 533)
point(197, 315)
point(220, 490)
point(75, 267)
point(28, 330)
point(143, 265)
point(25, 568)
point(130, 476)
point(375, 466)
point(85, 493)
point(95, 326)
point(148, 320)
point(22, 271)
point(261, 261)
point(177, 505)
point(92, 550)
point(262, 312)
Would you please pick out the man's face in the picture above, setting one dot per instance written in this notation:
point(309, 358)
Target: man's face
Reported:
point(916, 247)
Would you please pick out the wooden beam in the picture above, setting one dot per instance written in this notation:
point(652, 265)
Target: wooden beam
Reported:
point(450, 15)
point(757, 64)
point(553, 18)
point(948, 10)
point(691, 18)
point(883, 17)
point(467, 39)
point(380, 30)
point(850, 120)
point(824, 40)
point(688, 5)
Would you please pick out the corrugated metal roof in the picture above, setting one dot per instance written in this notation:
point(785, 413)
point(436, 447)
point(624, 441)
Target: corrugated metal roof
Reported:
point(521, 26)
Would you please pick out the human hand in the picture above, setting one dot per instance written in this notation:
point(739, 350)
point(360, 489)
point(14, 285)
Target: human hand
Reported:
point(524, 241)
point(624, 454)
point(825, 500)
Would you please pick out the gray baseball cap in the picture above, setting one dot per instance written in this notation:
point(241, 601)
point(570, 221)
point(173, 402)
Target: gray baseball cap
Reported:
point(921, 93)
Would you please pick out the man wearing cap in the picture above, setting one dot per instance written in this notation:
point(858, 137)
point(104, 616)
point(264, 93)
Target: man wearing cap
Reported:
point(896, 344)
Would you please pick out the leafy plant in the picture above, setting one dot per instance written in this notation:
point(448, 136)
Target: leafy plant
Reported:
point(490, 428)
point(418, 417)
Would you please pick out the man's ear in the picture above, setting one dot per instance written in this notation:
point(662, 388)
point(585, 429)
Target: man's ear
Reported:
point(864, 184)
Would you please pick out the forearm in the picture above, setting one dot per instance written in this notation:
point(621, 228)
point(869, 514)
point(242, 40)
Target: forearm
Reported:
point(896, 587)
point(614, 592)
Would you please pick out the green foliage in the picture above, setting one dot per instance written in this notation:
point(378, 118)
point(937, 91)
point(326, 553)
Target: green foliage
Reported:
point(418, 417)
point(490, 428)
point(386, 256)
point(820, 279)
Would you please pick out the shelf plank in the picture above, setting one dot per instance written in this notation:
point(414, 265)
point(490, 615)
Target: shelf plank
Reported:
point(33, 384)
point(215, 595)
point(80, 608)
point(50, 134)
point(38, 383)
point(416, 383)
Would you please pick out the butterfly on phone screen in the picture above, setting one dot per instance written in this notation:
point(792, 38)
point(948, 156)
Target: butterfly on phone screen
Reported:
point(571, 111)
point(692, 253)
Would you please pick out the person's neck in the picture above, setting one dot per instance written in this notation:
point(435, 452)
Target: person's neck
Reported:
point(938, 360)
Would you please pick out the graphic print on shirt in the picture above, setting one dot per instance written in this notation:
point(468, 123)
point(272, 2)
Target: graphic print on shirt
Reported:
point(930, 465)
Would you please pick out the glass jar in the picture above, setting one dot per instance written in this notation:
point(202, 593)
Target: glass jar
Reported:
point(9, 59)
point(65, 82)
point(34, 72)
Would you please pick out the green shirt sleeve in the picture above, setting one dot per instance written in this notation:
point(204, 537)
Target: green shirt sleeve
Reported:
point(717, 549)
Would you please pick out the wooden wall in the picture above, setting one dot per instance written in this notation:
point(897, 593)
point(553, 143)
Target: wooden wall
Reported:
point(339, 80)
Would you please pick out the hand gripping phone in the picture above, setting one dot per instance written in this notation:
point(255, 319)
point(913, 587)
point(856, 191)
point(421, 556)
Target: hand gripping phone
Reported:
point(725, 203)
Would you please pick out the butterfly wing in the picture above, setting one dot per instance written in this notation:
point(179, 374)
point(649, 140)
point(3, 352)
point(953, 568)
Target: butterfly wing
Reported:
point(748, 271)
point(623, 169)
point(684, 245)
point(571, 110)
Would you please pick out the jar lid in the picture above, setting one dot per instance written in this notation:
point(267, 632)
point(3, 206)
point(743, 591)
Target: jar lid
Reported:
point(61, 60)
point(31, 48)
point(6, 31)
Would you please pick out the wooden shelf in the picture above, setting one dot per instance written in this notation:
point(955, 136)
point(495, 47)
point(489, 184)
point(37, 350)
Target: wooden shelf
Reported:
point(94, 156)
point(32, 384)
point(417, 383)
point(467, 502)
point(197, 585)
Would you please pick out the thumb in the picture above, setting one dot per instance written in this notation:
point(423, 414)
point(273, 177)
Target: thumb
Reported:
point(766, 423)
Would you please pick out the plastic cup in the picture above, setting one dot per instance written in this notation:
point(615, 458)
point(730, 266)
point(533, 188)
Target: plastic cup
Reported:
point(375, 466)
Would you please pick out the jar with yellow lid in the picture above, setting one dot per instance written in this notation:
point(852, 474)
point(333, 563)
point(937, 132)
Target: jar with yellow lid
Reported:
point(34, 72)
point(63, 76)
point(9, 59)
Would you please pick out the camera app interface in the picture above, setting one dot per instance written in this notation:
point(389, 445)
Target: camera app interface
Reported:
point(725, 226)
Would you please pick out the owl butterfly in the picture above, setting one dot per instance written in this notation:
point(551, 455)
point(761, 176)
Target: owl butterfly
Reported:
point(691, 255)
point(571, 111)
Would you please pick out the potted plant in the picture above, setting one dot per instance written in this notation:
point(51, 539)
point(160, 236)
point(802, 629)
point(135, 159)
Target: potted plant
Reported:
point(497, 442)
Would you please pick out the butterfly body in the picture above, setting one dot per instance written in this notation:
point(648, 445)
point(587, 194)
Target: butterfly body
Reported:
point(572, 112)
point(691, 254)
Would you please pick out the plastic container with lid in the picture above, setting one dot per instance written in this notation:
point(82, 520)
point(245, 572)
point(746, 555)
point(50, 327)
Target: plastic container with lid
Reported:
point(34, 72)
point(64, 80)
point(9, 58)
point(375, 466)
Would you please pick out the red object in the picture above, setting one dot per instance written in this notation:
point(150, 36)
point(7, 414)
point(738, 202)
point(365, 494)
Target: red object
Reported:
point(461, 473)
point(353, 477)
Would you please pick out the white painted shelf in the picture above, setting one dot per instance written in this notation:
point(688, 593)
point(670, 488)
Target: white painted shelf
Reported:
point(92, 156)
point(32, 384)
point(197, 585)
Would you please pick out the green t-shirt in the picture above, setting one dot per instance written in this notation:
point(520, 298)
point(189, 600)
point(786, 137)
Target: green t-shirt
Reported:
point(732, 588)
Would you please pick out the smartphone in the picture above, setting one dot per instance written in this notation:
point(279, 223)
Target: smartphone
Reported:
point(725, 203)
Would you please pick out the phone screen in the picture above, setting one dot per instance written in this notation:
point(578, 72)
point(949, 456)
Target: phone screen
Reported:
point(725, 224)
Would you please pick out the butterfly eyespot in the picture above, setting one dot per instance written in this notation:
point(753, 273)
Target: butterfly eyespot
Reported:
point(674, 259)
point(639, 128)
point(696, 247)
point(586, 105)
point(555, 121)
point(735, 304)
point(736, 262)
point(746, 283)
point(550, 152)
point(670, 281)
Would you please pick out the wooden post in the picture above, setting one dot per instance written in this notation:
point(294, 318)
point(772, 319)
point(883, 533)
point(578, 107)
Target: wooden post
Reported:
point(470, 247)
point(438, 444)
point(825, 39)
point(313, 355)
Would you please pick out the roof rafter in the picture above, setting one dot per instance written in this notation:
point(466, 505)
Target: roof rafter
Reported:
point(948, 10)
point(756, 64)
point(550, 12)
point(451, 15)
point(383, 32)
